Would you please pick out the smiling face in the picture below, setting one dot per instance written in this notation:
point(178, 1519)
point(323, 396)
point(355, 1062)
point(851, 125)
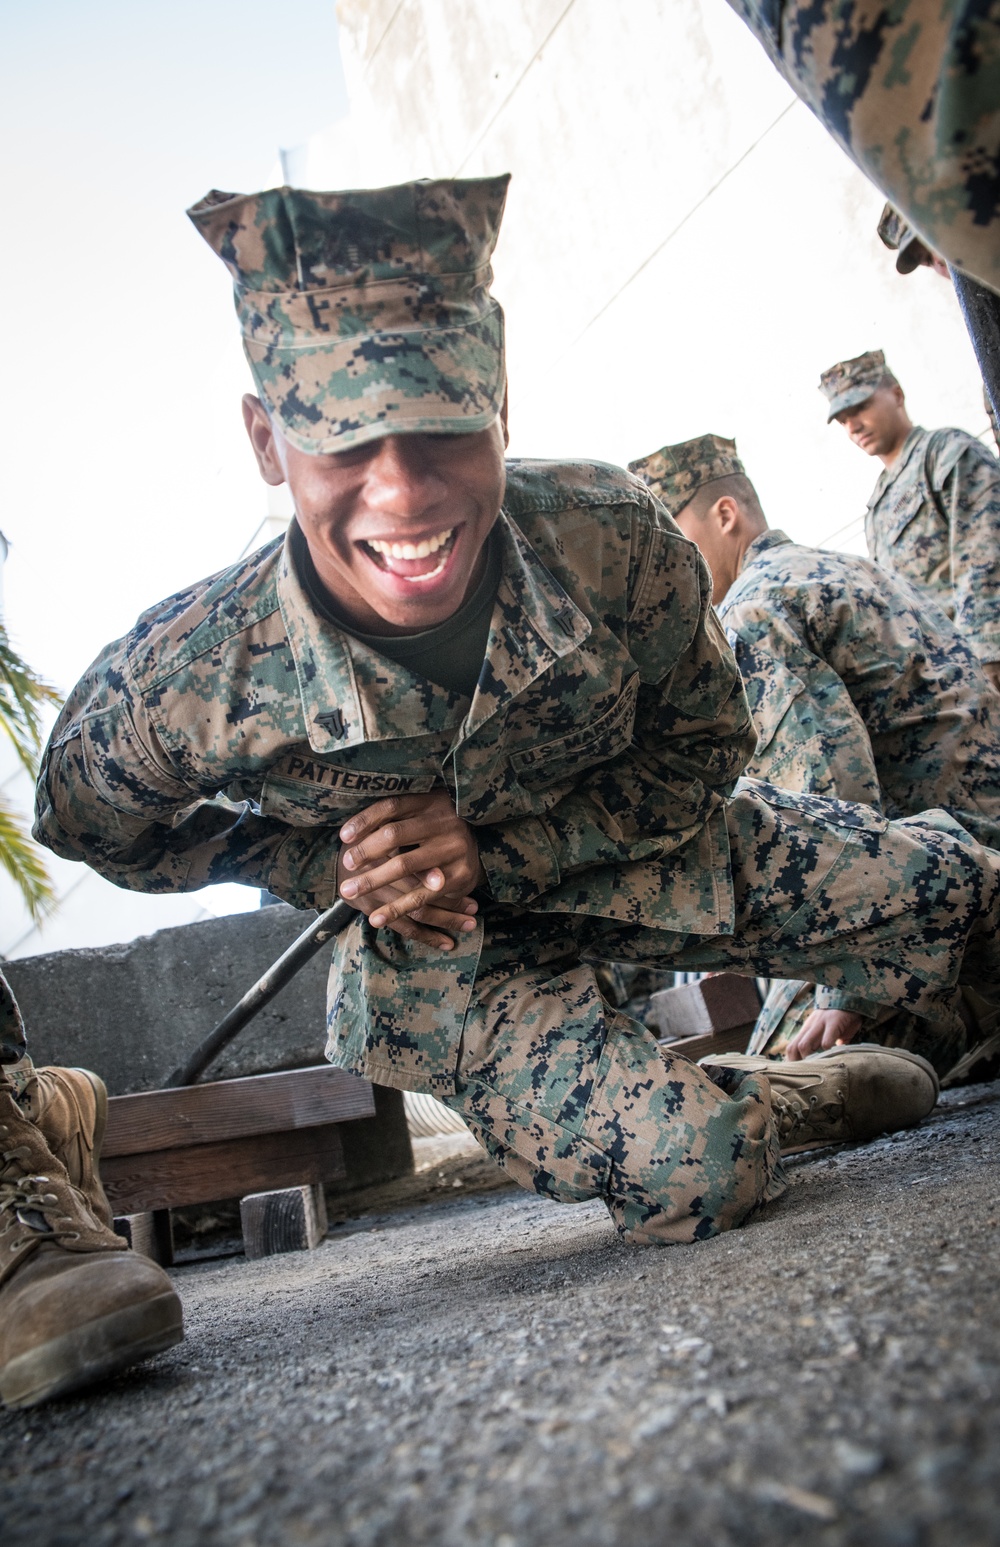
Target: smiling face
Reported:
point(396, 527)
point(880, 424)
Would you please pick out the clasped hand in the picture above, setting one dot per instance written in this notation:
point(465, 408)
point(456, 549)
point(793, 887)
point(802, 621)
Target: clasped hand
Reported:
point(411, 864)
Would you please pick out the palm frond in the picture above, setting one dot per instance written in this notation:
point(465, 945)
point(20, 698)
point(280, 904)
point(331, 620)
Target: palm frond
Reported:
point(23, 697)
point(24, 864)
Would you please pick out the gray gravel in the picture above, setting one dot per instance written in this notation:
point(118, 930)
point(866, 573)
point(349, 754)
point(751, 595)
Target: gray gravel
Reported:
point(485, 1369)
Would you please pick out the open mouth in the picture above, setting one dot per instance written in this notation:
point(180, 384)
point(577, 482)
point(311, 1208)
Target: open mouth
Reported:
point(416, 562)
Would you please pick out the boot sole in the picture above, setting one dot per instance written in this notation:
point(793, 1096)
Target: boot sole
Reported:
point(93, 1352)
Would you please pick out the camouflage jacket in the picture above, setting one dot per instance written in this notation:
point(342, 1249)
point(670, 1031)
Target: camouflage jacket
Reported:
point(910, 92)
point(861, 690)
point(935, 518)
point(228, 736)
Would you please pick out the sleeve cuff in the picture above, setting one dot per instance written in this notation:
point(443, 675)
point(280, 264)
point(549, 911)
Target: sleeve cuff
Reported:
point(852, 1004)
point(519, 860)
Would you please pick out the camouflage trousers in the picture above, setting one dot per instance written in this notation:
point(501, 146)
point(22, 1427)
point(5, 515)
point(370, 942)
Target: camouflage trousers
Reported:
point(576, 1100)
point(15, 1066)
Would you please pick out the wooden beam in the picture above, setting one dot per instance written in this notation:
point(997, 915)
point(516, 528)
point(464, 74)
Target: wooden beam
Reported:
point(715, 1004)
point(292, 1220)
point(149, 1234)
point(209, 1173)
point(234, 1109)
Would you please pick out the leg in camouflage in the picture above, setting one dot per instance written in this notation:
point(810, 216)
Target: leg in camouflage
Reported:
point(577, 1101)
point(910, 91)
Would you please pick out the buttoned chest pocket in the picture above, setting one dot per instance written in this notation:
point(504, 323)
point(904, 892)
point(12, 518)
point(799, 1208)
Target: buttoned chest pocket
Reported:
point(325, 800)
point(903, 512)
point(561, 760)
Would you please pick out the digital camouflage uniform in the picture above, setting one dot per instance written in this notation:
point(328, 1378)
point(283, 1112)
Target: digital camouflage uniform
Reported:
point(15, 1065)
point(231, 732)
point(934, 516)
point(912, 93)
point(860, 690)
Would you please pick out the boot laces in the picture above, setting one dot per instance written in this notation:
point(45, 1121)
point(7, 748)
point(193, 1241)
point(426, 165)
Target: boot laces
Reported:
point(29, 1198)
point(797, 1108)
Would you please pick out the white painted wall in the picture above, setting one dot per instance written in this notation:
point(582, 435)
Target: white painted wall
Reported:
point(684, 248)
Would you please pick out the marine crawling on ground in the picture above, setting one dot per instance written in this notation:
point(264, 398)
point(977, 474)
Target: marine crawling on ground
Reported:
point(532, 648)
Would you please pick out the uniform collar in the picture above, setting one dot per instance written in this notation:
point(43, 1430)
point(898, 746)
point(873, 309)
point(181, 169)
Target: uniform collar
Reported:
point(889, 475)
point(351, 694)
point(773, 537)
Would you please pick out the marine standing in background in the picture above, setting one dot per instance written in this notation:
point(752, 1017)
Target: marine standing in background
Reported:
point(934, 514)
point(860, 691)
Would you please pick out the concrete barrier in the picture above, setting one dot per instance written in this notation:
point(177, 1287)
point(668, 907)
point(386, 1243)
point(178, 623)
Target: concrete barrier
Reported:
point(132, 1011)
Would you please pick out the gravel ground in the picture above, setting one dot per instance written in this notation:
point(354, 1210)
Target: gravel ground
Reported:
point(480, 1368)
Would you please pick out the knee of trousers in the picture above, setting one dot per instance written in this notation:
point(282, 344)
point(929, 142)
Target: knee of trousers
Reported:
point(688, 1159)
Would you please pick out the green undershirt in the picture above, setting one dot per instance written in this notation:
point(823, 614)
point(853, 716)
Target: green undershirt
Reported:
point(451, 654)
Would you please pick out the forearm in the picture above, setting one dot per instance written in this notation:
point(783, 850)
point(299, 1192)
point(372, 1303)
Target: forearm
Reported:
point(212, 842)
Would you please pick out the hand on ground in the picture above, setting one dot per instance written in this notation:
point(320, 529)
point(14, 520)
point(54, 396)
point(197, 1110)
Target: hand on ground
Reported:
point(823, 1029)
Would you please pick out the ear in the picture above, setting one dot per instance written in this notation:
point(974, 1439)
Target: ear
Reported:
point(726, 513)
point(899, 394)
point(263, 440)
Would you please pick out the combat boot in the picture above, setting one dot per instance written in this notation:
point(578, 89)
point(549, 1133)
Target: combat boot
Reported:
point(75, 1304)
point(845, 1095)
point(70, 1106)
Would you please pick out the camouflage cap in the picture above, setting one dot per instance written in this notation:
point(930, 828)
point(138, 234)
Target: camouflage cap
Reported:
point(903, 240)
point(851, 382)
point(676, 473)
point(368, 312)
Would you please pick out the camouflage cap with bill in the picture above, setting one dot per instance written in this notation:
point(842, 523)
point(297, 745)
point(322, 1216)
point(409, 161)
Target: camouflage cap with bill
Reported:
point(369, 312)
point(676, 473)
point(851, 382)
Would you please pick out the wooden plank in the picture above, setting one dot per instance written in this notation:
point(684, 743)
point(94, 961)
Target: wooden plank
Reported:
point(717, 1003)
point(234, 1109)
point(150, 1234)
point(735, 1040)
point(292, 1220)
point(209, 1173)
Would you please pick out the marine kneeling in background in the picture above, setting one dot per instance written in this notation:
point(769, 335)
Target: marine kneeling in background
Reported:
point(860, 689)
point(532, 649)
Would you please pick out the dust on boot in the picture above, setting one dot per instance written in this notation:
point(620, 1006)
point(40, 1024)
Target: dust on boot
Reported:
point(75, 1304)
point(844, 1095)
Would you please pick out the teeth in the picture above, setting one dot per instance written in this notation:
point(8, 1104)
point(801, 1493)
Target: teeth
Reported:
point(417, 579)
point(412, 550)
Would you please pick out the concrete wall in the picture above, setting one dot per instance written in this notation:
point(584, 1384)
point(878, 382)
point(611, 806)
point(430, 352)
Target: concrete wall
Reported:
point(684, 248)
point(133, 1011)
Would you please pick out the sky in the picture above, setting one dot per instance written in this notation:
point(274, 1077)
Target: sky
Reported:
point(125, 473)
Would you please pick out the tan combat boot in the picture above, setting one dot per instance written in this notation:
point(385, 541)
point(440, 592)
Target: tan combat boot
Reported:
point(75, 1304)
point(844, 1095)
point(70, 1106)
